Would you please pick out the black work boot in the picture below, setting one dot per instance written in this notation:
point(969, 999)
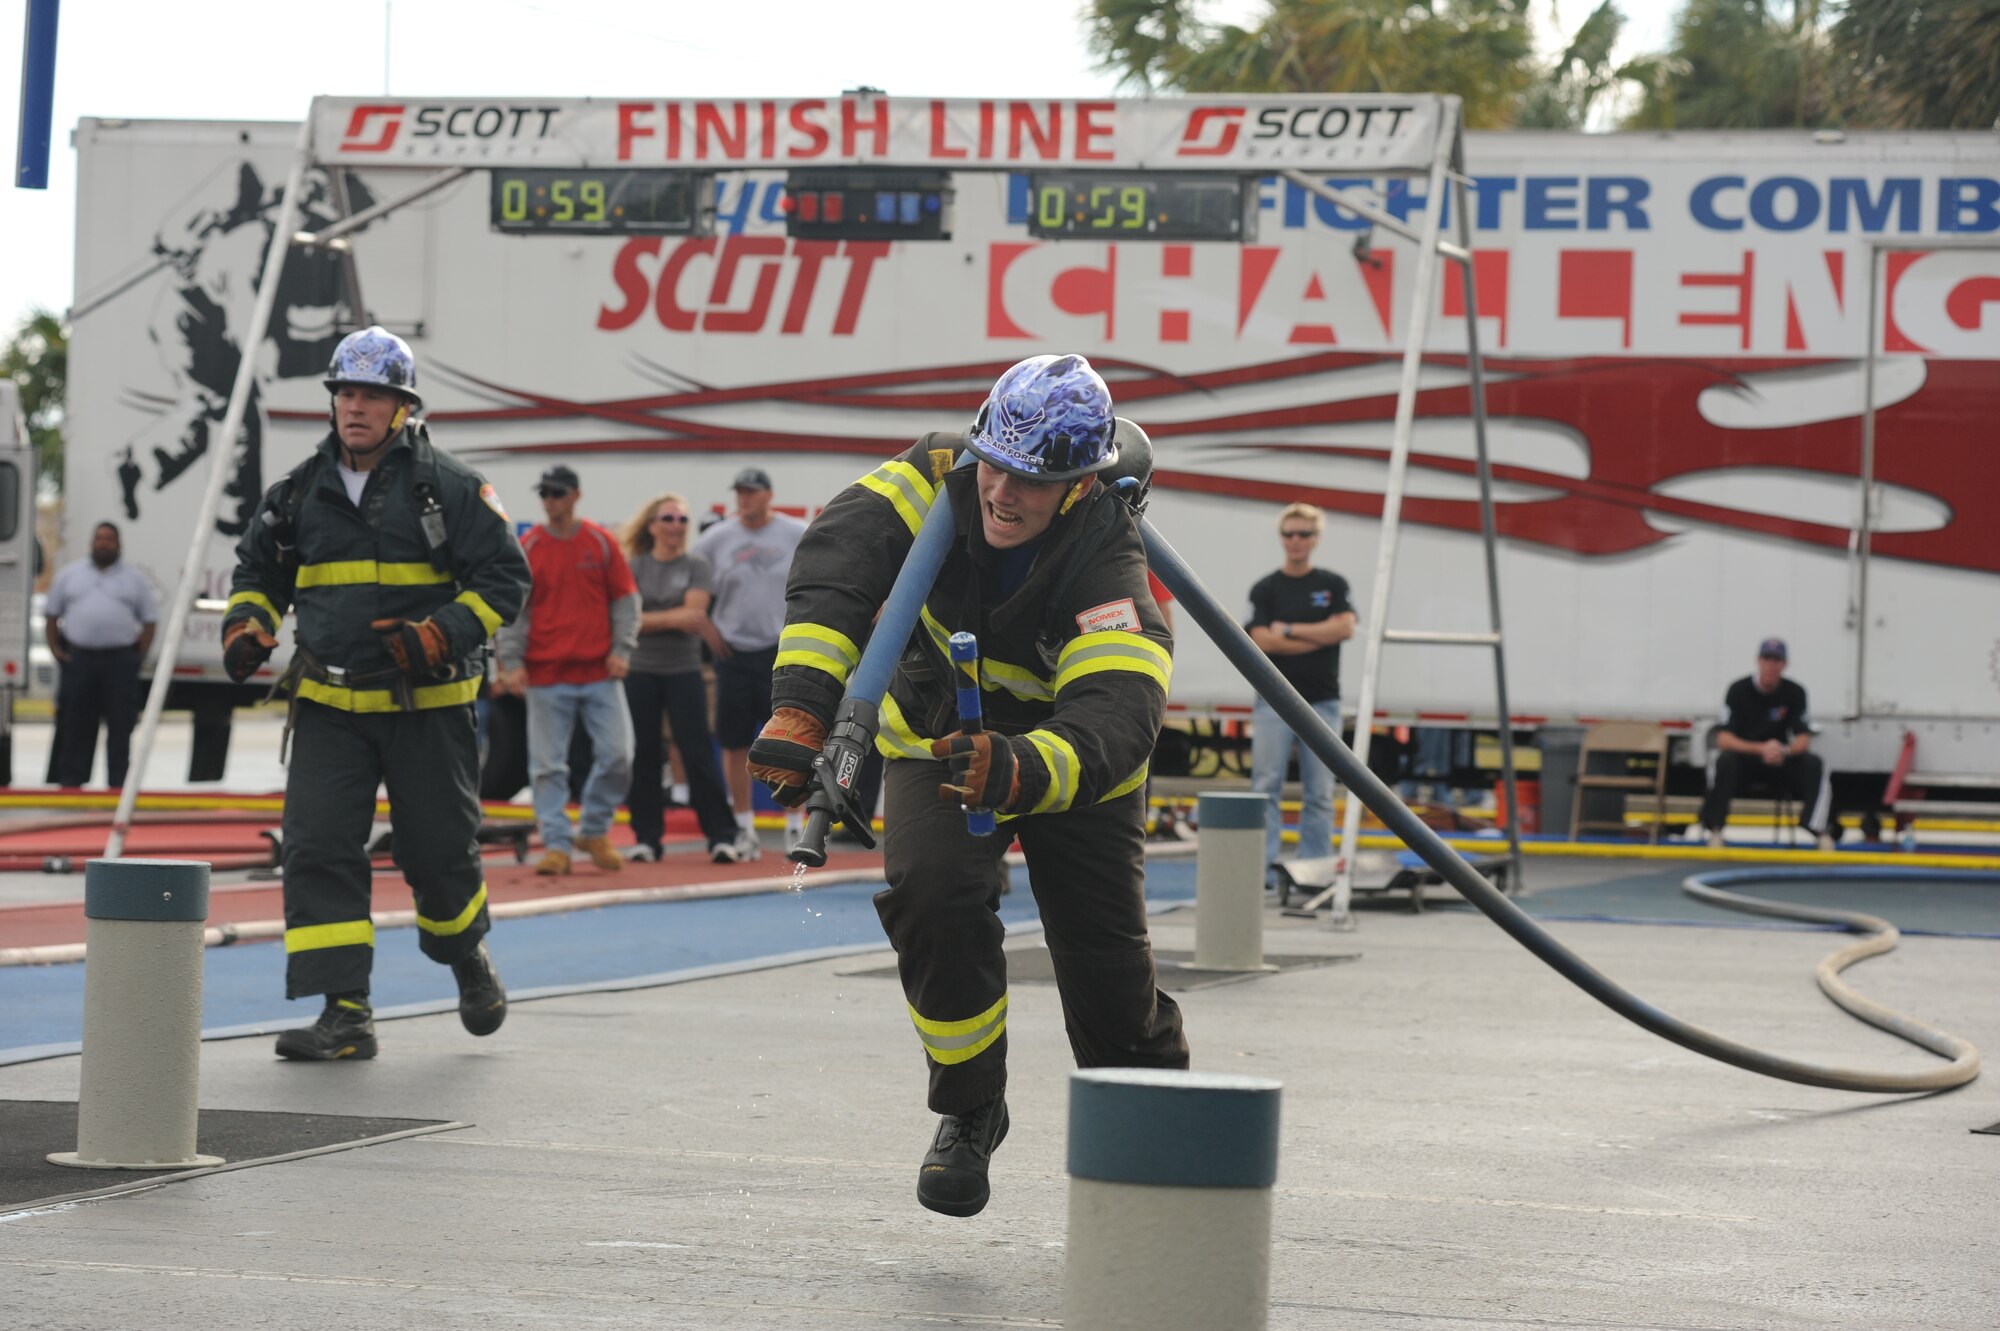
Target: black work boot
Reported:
point(346, 1029)
point(482, 1002)
point(952, 1180)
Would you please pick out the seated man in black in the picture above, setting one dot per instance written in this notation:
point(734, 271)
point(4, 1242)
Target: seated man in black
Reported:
point(1765, 735)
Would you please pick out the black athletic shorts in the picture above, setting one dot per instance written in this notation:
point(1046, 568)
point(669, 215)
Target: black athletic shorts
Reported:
point(743, 696)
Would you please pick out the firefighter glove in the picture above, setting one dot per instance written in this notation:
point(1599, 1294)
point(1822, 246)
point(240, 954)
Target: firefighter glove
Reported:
point(982, 769)
point(420, 649)
point(245, 646)
point(782, 756)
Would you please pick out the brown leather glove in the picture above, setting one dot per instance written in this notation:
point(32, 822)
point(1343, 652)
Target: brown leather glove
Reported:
point(245, 646)
point(420, 648)
point(782, 754)
point(983, 767)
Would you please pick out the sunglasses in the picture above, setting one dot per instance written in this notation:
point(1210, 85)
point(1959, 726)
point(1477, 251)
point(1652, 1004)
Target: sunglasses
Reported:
point(678, 519)
point(552, 492)
point(1298, 535)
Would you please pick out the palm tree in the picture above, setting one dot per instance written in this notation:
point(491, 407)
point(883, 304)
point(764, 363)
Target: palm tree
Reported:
point(1569, 89)
point(1481, 50)
point(37, 359)
point(1741, 64)
point(1932, 66)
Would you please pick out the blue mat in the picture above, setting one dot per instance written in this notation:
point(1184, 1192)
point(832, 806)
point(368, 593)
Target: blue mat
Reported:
point(41, 1007)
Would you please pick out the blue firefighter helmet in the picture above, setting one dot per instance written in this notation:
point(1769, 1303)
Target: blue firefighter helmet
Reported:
point(377, 358)
point(1047, 419)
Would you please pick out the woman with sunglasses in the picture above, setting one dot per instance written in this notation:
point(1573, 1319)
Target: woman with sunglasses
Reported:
point(674, 592)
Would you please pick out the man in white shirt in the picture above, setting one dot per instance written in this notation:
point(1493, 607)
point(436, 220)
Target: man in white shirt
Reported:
point(101, 615)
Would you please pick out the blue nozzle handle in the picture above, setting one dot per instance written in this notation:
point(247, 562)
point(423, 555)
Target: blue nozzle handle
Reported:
point(971, 720)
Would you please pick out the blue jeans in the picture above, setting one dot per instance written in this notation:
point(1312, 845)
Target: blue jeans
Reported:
point(553, 713)
point(1271, 742)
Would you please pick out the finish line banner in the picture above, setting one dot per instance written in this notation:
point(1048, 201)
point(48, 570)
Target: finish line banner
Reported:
point(1242, 134)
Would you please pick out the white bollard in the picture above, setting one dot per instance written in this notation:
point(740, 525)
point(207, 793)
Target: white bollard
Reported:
point(1169, 1200)
point(141, 1016)
point(1229, 883)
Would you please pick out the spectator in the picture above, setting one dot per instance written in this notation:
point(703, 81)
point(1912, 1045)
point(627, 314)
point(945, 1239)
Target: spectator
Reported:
point(665, 679)
point(1766, 734)
point(100, 620)
point(751, 554)
point(1299, 616)
point(566, 654)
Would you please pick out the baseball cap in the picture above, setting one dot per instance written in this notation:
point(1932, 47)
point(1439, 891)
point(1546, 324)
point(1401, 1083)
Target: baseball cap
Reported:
point(557, 478)
point(1773, 648)
point(751, 478)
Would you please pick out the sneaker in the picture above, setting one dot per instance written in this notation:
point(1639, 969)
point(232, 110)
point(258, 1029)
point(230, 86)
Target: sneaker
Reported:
point(1827, 841)
point(723, 852)
point(642, 854)
point(952, 1180)
point(748, 847)
point(346, 1029)
point(1715, 841)
point(552, 863)
point(600, 852)
point(482, 1001)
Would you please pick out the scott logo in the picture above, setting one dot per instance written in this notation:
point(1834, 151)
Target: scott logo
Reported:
point(375, 127)
point(1227, 122)
point(356, 139)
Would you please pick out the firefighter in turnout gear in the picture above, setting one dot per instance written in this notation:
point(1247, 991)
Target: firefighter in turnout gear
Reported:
point(400, 565)
point(1048, 571)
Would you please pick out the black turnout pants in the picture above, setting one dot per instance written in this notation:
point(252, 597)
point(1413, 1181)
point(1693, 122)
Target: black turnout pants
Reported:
point(429, 760)
point(1802, 778)
point(1087, 868)
point(683, 699)
point(96, 686)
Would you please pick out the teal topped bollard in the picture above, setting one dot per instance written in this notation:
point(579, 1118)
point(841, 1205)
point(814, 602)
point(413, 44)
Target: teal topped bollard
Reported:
point(1169, 1200)
point(1229, 882)
point(142, 965)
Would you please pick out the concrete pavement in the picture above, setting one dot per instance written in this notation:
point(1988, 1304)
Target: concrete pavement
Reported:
point(1468, 1142)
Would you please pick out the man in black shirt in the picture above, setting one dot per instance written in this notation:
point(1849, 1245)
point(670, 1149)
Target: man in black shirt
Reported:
point(1766, 733)
point(1299, 616)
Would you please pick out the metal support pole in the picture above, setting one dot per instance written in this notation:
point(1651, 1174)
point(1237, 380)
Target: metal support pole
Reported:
point(38, 94)
point(1169, 1200)
point(222, 453)
point(1392, 503)
point(136, 1107)
point(334, 231)
point(1488, 527)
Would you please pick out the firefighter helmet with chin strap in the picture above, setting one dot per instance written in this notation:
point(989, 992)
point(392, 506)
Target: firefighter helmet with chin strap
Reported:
point(1047, 419)
point(375, 358)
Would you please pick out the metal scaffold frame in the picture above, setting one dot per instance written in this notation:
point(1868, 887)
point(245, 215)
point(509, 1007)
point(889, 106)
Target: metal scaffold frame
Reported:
point(1413, 135)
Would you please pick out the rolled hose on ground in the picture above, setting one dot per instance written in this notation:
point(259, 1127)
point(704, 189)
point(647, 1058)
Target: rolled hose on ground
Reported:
point(1362, 784)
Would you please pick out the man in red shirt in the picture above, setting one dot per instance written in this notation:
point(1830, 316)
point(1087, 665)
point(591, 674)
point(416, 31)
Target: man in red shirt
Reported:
point(565, 655)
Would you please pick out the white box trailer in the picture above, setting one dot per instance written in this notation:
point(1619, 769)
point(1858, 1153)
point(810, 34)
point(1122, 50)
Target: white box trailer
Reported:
point(18, 565)
point(1741, 385)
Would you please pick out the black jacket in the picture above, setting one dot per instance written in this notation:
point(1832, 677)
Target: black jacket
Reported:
point(354, 565)
point(1075, 664)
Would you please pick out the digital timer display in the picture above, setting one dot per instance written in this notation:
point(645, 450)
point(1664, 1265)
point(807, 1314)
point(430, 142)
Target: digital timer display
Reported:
point(1139, 206)
point(537, 201)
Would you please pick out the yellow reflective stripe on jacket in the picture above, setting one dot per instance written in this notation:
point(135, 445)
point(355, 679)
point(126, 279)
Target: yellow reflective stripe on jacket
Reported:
point(905, 487)
point(459, 923)
point(1129, 784)
point(895, 739)
point(427, 696)
point(313, 937)
point(262, 605)
point(995, 676)
point(359, 572)
point(1112, 649)
point(958, 1041)
point(476, 603)
point(1065, 769)
point(820, 647)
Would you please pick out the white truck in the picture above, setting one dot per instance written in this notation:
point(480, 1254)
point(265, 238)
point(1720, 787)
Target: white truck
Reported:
point(1682, 333)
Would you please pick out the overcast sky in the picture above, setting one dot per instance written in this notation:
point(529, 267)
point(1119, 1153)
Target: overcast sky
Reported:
point(265, 59)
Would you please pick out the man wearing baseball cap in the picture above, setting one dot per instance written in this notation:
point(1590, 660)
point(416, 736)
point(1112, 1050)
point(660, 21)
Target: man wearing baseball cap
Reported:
point(565, 656)
point(751, 553)
point(1765, 737)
